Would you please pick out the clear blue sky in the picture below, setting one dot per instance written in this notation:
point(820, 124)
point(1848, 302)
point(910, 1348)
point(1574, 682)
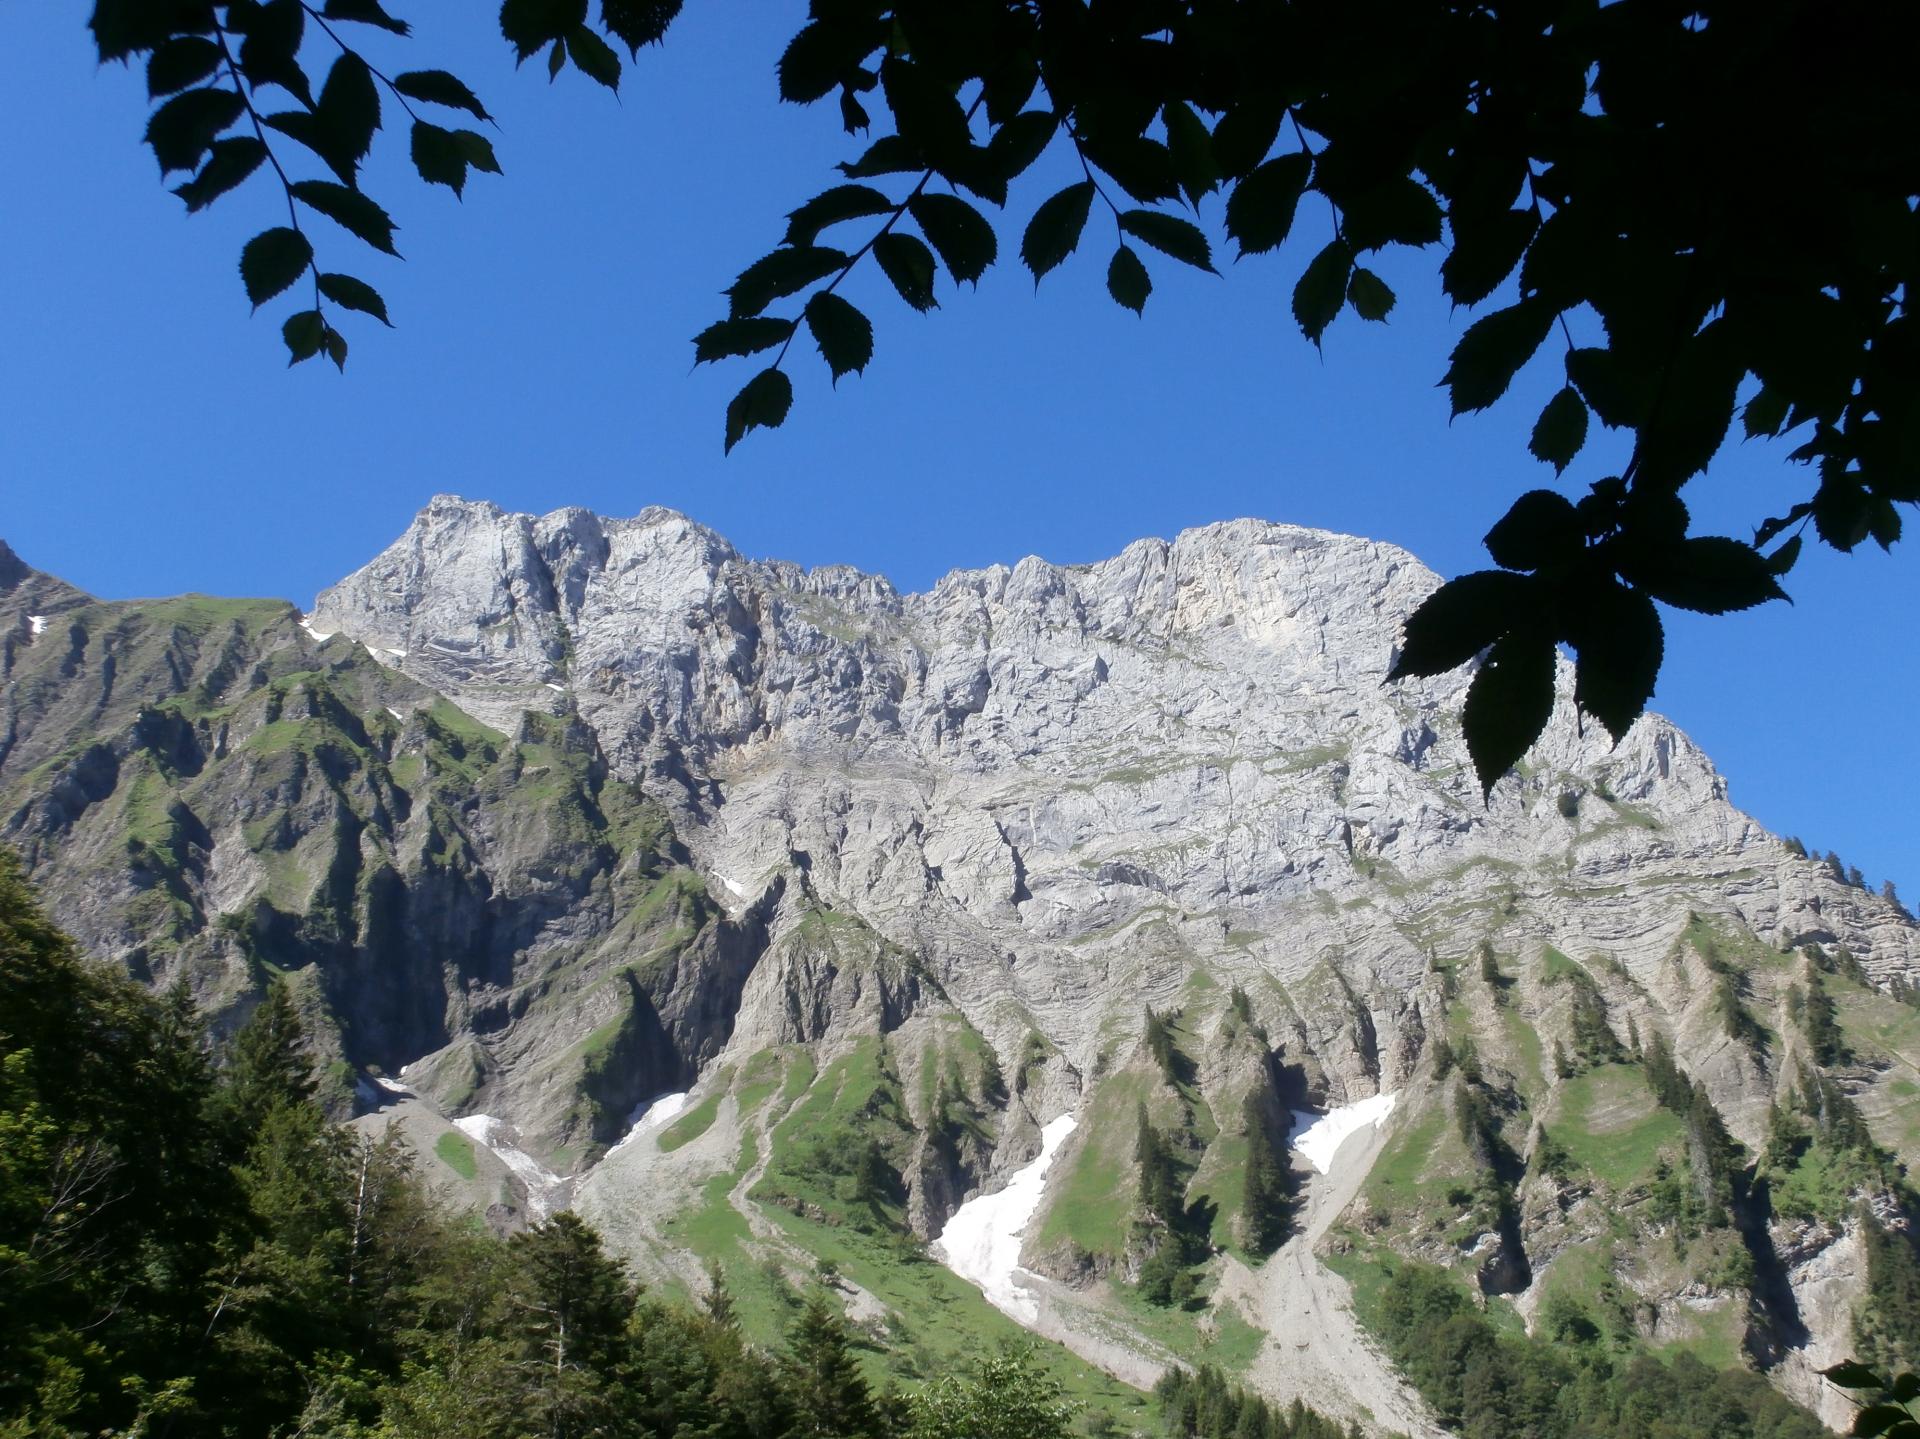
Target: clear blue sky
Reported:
point(152, 441)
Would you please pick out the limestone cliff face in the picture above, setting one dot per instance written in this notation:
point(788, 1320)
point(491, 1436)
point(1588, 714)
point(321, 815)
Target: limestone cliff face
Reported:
point(552, 814)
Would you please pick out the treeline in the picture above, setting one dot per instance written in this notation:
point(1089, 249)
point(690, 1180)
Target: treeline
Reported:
point(1843, 873)
point(1573, 1383)
point(189, 1249)
point(1205, 1404)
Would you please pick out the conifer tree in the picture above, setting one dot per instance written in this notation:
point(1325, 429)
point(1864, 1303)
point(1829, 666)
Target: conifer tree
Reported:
point(1265, 1207)
point(829, 1396)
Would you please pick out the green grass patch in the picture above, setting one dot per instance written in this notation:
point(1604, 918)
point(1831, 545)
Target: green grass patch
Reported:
point(1609, 1123)
point(694, 1123)
point(1091, 1207)
point(455, 1150)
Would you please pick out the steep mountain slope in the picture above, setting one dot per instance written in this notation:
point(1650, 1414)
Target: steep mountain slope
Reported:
point(560, 814)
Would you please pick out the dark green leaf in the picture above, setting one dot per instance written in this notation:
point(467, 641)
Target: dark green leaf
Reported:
point(1322, 289)
point(366, 12)
point(350, 106)
point(824, 54)
point(926, 113)
point(1486, 248)
point(310, 130)
point(1509, 703)
point(739, 337)
point(1782, 559)
point(853, 115)
point(556, 60)
point(1142, 167)
point(1689, 423)
point(1055, 228)
point(1261, 208)
point(477, 150)
point(909, 264)
point(594, 56)
point(1400, 211)
point(830, 207)
point(182, 130)
point(437, 87)
point(889, 155)
point(1170, 235)
point(959, 232)
point(1245, 134)
point(1709, 574)
point(228, 163)
point(438, 156)
point(1766, 412)
point(350, 209)
point(272, 41)
point(1561, 429)
point(1540, 529)
point(273, 260)
point(1458, 620)
point(354, 294)
point(184, 60)
point(1620, 642)
point(335, 344)
point(638, 22)
point(1842, 513)
point(1613, 388)
point(783, 272)
point(1905, 1388)
point(1369, 295)
point(1127, 280)
point(1192, 150)
point(764, 400)
point(844, 335)
point(303, 333)
point(1492, 352)
point(1850, 1375)
point(531, 25)
point(1877, 1419)
point(1019, 142)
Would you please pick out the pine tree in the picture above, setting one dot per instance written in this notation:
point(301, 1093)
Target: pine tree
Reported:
point(267, 1062)
point(1265, 1206)
point(572, 1304)
point(830, 1398)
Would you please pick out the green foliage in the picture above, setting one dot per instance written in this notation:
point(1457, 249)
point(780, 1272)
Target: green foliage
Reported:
point(1007, 1396)
point(1204, 1404)
point(1266, 1205)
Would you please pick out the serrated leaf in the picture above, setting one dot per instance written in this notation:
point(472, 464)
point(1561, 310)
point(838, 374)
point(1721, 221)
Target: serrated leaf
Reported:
point(1170, 235)
point(1620, 643)
point(1766, 412)
point(335, 344)
point(889, 155)
point(1709, 574)
point(350, 106)
point(183, 129)
point(781, 273)
point(1400, 211)
point(531, 25)
point(350, 209)
point(739, 337)
point(1686, 428)
point(1782, 559)
point(1142, 167)
point(906, 261)
point(1486, 249)
point(1192, 150)
point(820, 58)
point(184, 60)
point(365, 12)
point(844, 335)
point(1849, 1375)
point(763, 402)
point(595, 57)
point(638, 22)
point(1369, 295)
point(959, 232)
point(478, 150)
point(1054, 230)
point(352, 294)
point(229, 162)
point(1540, 529)
point(273, 260)
point(926, 112)
point(853, 115)
point(438, 87)
point(1561, 429)
point(1613, 389)
point(556, 60)
point(1018, 143)
point(274, 32)
point(1322, 289)
point(1261, 208)
point(1128, 281)
point(303, 333)
point(830, 207)
point(1492, 351)
point(1245, 134)
point(1458, 620)
point(310, 130)
point(1508, 704)
point(438, 156)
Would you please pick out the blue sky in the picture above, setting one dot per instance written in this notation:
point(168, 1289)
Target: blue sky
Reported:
point(152, 440)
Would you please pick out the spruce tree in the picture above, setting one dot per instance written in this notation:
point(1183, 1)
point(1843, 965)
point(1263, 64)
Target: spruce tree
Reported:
point(829, 1396)
point(1264, 1198)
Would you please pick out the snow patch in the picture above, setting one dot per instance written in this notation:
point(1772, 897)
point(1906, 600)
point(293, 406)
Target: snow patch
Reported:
point(547, 1192)
point(320, 637)
point(37, 623)
point(392, 1086)
point(396, 714)
point(649, 1116)
point(981, 1242)
point(1318, 1137)
point(734, 887)
point(397, 654)
point(558, 689)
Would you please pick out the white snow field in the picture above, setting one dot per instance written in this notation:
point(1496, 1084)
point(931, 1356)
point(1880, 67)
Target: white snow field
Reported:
point(547, 1192)
point(1318, 1137)
point(981, 1242)
point(649, 1117)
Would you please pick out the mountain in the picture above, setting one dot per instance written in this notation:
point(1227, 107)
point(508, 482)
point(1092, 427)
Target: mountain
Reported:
point(769, 915)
